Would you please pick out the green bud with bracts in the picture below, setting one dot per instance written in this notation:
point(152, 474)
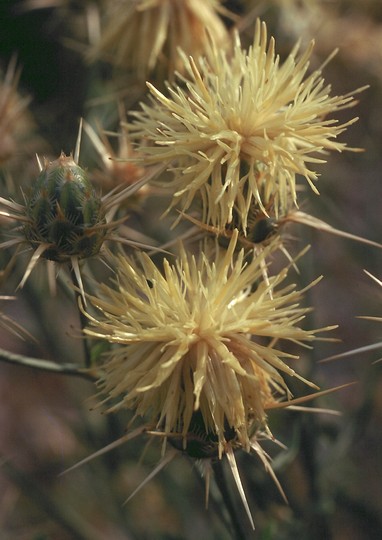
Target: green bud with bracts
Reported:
point(65, 212)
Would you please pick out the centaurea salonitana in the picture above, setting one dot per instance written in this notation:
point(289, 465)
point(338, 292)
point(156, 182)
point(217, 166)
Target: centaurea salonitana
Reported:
point(239, 128)
point(63, 218)
point(199, 338)
point(143, 36)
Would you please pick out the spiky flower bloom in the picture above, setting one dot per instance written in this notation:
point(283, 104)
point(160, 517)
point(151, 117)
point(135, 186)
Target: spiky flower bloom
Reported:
point(240, 128)
point(197, 343)
point(140, 34)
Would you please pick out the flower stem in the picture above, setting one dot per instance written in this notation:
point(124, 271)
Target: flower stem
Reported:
point(47, 365)
point(221, 483)
point(83, 320)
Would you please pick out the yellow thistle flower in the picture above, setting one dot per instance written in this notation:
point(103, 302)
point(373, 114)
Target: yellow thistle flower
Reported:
point(140, 34)
point(240, 129)
point(197, 343)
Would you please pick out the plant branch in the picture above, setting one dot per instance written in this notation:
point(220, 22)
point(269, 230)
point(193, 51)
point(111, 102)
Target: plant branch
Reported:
point(48, 365)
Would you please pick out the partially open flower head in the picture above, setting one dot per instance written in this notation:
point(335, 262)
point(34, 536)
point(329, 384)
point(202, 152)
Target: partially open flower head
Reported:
point(196, 345)
point(142, 35)
point(240, 128)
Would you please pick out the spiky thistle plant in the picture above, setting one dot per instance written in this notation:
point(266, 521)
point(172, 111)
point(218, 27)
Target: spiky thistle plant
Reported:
point(239, 128)
point(63, 218)
point(143, 35)
point(198, 348)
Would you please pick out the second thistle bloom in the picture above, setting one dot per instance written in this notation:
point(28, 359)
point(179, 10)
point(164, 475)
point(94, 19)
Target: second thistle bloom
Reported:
point(239, 128)
point(198, 339)
point(144, 35)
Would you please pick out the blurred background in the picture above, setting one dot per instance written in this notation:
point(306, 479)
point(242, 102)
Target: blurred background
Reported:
point(331, 469)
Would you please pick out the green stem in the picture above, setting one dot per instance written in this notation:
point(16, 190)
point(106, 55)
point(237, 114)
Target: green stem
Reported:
point(48, 365)
point(83, 320)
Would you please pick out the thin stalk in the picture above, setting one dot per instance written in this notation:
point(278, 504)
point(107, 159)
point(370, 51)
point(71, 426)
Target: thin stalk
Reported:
point(223, 487)
point(82, 318)
point(47, 365)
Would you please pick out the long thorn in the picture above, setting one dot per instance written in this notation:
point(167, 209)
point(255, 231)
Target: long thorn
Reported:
point(105, 449)
point(163, 462)
point(235, 473)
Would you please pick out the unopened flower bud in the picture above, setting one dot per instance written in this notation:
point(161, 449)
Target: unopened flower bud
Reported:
point(65, 212)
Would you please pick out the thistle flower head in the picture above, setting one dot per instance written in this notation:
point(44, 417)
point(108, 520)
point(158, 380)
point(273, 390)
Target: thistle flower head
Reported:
point(197, 343)
point(141, 34)
point(240, 128)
